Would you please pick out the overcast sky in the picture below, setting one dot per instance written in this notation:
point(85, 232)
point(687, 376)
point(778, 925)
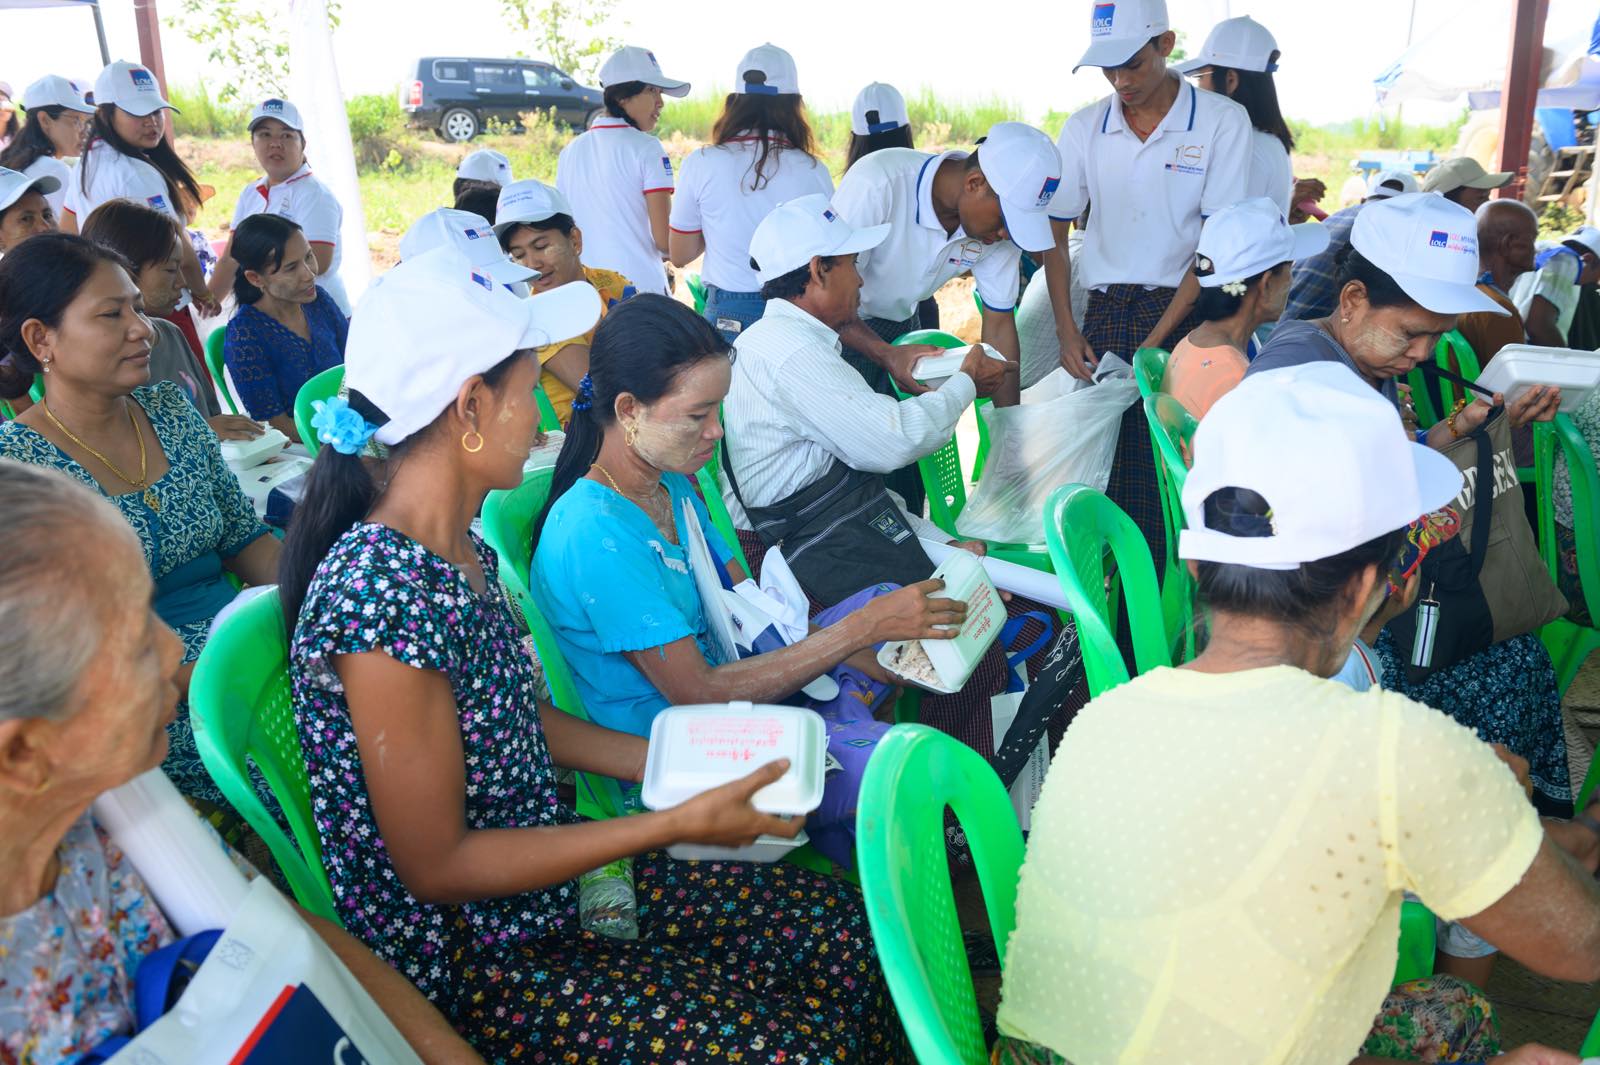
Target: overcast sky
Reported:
point(1022, 50)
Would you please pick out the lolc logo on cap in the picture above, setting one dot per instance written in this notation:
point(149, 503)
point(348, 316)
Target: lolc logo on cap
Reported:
point(1439, 239)
point(1458, 242)
point(1047, 192)
point(275, 106)
point(479, 279)
point(652, 57)
point(1104, 14)
point(474, 234)
point(158, 202)
point(141, 79)
point(829, 215)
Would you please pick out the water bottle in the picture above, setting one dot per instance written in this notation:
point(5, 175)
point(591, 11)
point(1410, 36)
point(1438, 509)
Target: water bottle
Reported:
point(606, 903)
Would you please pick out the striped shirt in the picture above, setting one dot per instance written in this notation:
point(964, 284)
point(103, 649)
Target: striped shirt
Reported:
point(795, 405)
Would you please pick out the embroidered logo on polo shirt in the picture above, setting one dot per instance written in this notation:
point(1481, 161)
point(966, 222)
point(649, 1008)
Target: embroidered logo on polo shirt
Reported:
point(967, 255)
point(1104, 14)
point(141, 79)
point(158, 202)
point(666, 164)
point(479, 279)
point(1048, 191)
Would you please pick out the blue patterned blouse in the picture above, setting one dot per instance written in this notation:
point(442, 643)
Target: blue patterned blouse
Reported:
point(268, 362)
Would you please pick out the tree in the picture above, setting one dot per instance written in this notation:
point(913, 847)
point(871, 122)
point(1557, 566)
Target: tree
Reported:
point(569, 35)
point(247, 39)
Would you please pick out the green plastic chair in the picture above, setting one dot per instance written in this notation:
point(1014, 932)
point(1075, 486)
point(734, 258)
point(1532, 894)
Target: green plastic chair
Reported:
point(1418, 943)
point(1150, 370)
point(321, 386)
point(915, 773)
point(214, 363)
point(944, 479)
point(241, 711)
point(1080, 524)
point(709, 478)
point(35, 393)
point(1172, 431)
point(697, 289)
point(549, 420)
point(1569, 643)
point(1435, 398)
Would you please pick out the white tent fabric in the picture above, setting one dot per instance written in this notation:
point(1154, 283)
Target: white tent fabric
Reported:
point(1466, 57)
point(48, 3)
point(314, 88)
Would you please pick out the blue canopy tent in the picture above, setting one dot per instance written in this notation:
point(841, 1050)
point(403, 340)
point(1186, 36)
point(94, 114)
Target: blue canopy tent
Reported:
point(92, 5)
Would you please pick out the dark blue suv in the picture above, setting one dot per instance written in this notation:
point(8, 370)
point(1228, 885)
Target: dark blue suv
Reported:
point(457, 96)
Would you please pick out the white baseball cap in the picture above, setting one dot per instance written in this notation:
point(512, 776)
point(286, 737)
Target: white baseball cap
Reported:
point(131, 87)
point(1329, 456)
point(1237, 43)
point(1119, 28)
point(1023, 167)
point(795, 232)
point(53, 90)
point(433, 321)
point(280, 109)
point(878, 108)
point(776, 67)
point(471, 236)
point(632, 63)
point(1464, 172)
point(1429, 245)
point(14, 183)
point(526, 201)
point(1377, 188)
point(1588, 236)
point(1252, 236)
point(486, 164)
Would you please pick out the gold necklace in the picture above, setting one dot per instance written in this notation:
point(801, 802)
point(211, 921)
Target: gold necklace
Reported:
point(151, 500)
point(650, 506)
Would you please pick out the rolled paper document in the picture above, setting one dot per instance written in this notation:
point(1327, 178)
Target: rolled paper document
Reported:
point(190, 874)
point(1007, 576)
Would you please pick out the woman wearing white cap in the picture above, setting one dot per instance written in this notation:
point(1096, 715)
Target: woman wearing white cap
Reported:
point(484, 168)
point(24, 207)
point(879, 119)
point(287, 187)
point(58, 123)
point(616, 175)
point(1410, 269)
point(129, 157)
point(1256, 921)
point(1243, 267)
point(449, 848)
point(762, 153)
point(1238, 61)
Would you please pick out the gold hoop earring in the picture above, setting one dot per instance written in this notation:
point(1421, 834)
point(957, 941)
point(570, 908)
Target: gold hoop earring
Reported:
point(471, 449)
point(630, 433)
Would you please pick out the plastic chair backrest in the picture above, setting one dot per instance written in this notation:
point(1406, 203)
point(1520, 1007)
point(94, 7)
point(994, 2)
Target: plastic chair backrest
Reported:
point(242, 711)
point(1172, 427)
point(942, 476)
point(1079, 525)
point(1452, 353)
point(709, 478)
point(1569, 643)
point(915, 773)
point(214, 363)
point(323, 386)
point(1150, 370)
point(549, 420)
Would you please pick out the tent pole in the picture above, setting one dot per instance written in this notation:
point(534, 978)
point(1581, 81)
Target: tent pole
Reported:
point(148, 24)
point(1517, 99)
point(100, 32)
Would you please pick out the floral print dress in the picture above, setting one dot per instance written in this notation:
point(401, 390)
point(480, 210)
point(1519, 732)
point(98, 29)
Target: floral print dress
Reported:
point(751, 963)
point(201, 519)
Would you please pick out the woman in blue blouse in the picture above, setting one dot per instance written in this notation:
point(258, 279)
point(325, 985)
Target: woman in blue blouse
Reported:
point(287, 328)
point(70, 309)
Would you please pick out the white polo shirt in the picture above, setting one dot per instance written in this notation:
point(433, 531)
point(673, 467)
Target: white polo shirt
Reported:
point(50, 166)
point(1150, 196)
point(715, 198)
point(114, 176)
point(794, 405)
point(1271, 175)
point(605, 175)
point(895, 185)
point(304, 200)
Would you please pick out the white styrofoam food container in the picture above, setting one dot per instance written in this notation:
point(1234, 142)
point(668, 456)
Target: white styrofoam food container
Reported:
point(243, 454)
point(696, 748)
point(954, 660)
point(937, 369)
point(1519, 367)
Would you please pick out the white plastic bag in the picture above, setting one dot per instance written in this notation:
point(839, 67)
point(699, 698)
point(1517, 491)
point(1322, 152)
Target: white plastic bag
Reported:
point(270, 990)
point(1041, 445)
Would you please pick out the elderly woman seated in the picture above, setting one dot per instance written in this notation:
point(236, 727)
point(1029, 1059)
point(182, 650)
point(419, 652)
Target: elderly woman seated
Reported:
point(1219, 853)
point(88, 683)
point(70, 308)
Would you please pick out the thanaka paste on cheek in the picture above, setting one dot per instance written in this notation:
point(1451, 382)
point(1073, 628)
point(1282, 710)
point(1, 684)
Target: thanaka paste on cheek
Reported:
point(667, 444)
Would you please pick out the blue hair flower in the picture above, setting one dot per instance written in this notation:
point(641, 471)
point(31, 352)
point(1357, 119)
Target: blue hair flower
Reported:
point(341, 427)
point(585, 396)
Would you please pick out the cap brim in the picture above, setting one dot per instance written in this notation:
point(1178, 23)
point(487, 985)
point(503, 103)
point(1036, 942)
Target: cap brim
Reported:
point(82, 107)
point(506, 271)
point(1447, 297)
point(1111, 53)
point(160, 105)
point(1438, 479)
point(1309, 240)
point(44, 184)
point(1497, 180)
point(1189, 66)
point(863, 239)
point(1028, 229)
point(569, 310)
point(502, 223)
point(254, 122)
point(671, 88)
